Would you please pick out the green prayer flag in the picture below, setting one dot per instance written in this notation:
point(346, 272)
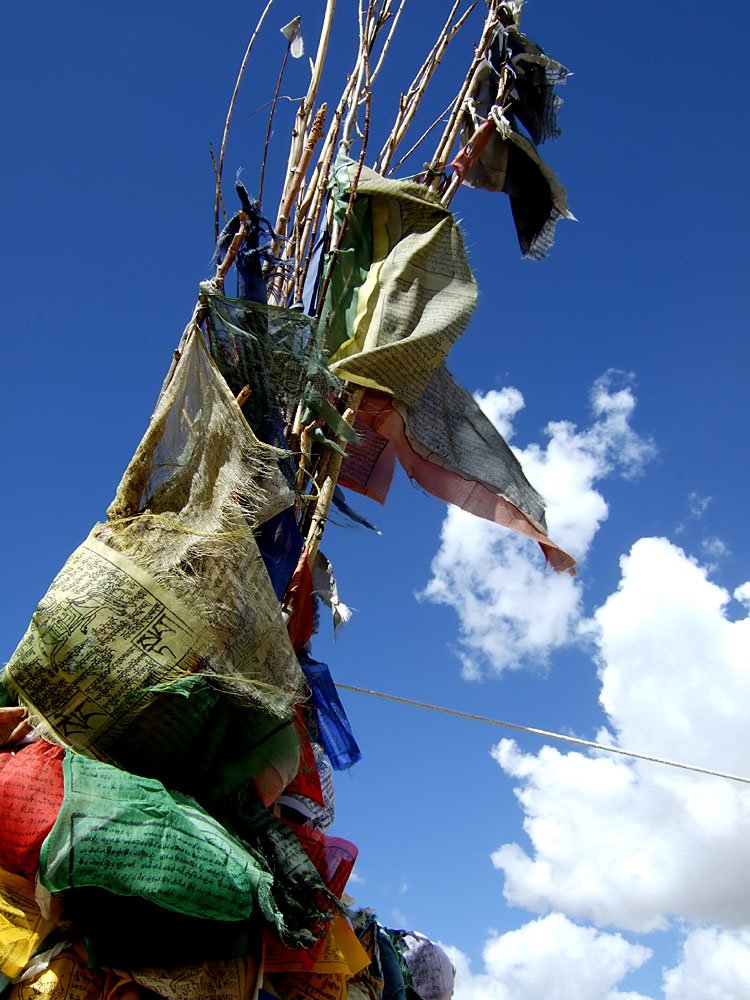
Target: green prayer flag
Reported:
point(133, 837)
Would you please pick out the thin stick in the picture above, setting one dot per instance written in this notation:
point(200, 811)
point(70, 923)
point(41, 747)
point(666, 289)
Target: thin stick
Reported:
point(217, 181)
point(234, 246)
point(230, 110)
point(410, 101)
point(303, 112)
point(387, 43)
point(270, 121)
point(325, 498)
point(454, 122)
point(316, 134)
point(422, 137)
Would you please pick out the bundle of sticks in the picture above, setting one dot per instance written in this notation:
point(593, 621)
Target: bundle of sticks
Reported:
point(478, 112)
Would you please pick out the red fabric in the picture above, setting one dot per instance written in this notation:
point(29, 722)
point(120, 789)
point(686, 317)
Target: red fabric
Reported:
point(31, 794)
point(334, 858)
point(379, 414)
point(298, 600)
point(468, 156)
point(369, 464)
point(306, 782)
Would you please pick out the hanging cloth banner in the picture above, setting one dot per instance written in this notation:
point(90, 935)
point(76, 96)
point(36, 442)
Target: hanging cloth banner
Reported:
point(448, 446)
point(228, 979)
point(334, 729)
point(496, 156)
point(66, 976)
point(173, 584)
point(333, 859)
point(22, 926)
point(132, 837)
point(418, 293)
point(31, 793)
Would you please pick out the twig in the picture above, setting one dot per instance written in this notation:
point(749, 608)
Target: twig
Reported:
point(451, 130)
point(303, 112)
point(234, 246)
point(230, 110)
point(410, 101)
point(325, 497)
point(422, 137)
point(316, 134)
point(217, 180)
point(270, 121)
point(387, 43)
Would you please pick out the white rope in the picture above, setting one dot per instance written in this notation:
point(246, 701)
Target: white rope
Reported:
point(546, 733)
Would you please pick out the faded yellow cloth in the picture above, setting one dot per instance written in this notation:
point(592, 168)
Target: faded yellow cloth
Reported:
point(174, 583)
point(22, 926)
point(418, 295)
point(228, 979)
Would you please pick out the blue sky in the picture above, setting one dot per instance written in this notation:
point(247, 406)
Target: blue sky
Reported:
point(628, 351)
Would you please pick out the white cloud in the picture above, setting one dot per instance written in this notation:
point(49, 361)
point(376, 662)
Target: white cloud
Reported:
point(511, 608)
point(550, 959)
point(715, 966)
point(714, 550)
point(501, 406)
point(697, 505)
point(633, 844)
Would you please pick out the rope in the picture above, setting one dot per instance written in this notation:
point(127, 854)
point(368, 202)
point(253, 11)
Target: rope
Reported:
point(544, 732)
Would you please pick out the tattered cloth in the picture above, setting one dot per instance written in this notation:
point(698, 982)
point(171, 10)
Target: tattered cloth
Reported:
point(415, 294)
point(173, 584)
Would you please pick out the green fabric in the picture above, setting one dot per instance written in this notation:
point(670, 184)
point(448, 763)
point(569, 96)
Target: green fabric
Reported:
point(349, 266)
point(196, 740)
point(298, 890)
point(133, 837)
point(8, 698)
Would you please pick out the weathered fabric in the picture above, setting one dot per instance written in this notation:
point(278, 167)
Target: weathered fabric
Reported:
point(326, 590)
point(531, 98)
point(304, 889)
point(496, 156)
point(272, 350)
point(306, 782)
point(447, 445)
point(418, 293)
point(196, 740)
point(132, 837)
point(31, 793)
point(173, 584)
point(197, 485)
point(22, 926)
point(431, 969)
point(301, 808)
point(334, 729)
point(228, 979)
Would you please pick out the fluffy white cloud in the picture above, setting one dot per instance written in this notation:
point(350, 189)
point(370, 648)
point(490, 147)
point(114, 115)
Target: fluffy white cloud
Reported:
point(550, 959)
point(632, 844)
point(715, 966)
point(510, 606)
